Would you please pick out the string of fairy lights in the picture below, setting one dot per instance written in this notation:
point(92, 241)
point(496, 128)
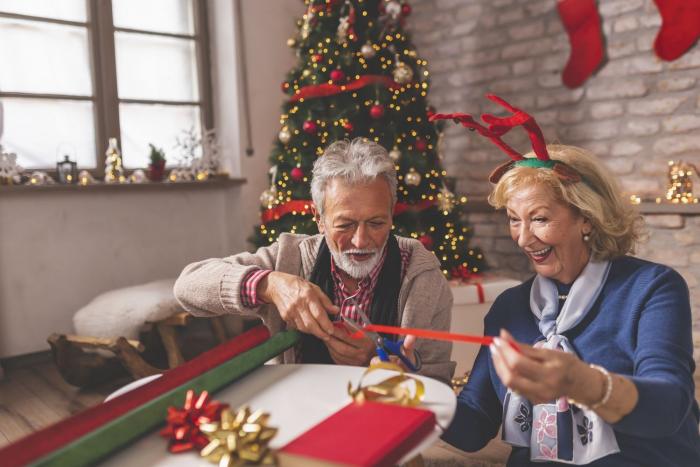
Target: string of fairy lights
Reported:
point(679, 185)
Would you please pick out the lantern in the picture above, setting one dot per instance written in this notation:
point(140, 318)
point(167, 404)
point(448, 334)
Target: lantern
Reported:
point(67, 171)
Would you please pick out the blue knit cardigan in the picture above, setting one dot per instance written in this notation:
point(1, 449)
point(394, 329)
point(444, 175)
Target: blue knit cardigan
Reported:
point(639, 326)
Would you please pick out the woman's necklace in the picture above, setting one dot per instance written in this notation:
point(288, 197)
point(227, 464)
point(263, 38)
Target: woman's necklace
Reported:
point(563, 296)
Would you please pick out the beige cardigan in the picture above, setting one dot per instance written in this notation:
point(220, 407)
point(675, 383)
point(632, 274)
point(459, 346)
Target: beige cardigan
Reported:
point(212, 287)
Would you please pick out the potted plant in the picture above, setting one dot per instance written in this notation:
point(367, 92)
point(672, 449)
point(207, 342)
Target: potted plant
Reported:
point(156, 169)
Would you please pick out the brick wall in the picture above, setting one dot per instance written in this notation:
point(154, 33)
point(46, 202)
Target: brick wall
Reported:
point(636, 113)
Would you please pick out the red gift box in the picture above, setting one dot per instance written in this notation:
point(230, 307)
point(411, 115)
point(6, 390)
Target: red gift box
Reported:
point(366, 434)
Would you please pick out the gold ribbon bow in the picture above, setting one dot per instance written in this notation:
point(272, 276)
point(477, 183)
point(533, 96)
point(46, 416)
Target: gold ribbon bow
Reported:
point(393, 390)
point(239, 439)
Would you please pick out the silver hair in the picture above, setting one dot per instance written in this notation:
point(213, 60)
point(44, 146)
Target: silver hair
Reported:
point(356, 161)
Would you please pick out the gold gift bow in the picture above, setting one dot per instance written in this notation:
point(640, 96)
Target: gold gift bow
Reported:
point(393, 390)
point(239, 439)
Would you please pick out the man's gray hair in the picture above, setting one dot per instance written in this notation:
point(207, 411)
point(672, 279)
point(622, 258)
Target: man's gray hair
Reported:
point(356, 161)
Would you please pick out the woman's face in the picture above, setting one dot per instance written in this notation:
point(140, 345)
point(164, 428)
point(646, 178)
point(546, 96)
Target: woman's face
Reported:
point(549, 232)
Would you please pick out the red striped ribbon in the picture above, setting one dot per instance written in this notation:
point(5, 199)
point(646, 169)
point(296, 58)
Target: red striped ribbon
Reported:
point(435, 335)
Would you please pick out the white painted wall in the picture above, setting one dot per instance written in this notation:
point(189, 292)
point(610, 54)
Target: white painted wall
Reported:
point(58, 249)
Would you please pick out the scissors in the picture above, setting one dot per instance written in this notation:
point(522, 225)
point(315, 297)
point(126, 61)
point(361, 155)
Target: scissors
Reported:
point(384, 346)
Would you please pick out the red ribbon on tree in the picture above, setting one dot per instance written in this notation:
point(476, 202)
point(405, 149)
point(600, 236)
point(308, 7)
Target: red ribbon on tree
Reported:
point(304, 206)
point(327, 89)
point(298, 205)
point(400, 208)
point(183, 423)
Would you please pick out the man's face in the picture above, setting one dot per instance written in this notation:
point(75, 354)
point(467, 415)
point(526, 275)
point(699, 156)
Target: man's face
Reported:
point(356, 222)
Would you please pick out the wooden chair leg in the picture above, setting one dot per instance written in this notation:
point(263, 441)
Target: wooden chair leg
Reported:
point(167, 334)
point(218, 328)
point(132, 361)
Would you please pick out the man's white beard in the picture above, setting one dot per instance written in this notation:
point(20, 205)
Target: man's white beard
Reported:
point(356, 269)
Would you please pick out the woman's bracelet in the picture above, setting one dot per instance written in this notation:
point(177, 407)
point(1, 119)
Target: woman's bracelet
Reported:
point(606, 396)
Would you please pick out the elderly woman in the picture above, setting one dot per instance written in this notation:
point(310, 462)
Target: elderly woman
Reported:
point(594, 360)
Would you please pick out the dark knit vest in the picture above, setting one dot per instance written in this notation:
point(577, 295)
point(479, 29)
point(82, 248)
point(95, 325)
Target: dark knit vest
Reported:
point(385, 302)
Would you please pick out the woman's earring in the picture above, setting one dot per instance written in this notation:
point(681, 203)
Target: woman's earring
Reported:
point(586, 237)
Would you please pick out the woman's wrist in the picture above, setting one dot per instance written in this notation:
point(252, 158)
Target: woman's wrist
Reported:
point(590, 387)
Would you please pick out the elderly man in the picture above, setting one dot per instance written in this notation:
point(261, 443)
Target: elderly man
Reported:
point(355, 263)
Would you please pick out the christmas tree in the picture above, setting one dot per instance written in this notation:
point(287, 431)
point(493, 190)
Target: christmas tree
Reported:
point(359, 75)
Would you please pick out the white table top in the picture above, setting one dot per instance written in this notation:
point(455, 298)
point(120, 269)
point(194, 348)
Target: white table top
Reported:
point(297, 398)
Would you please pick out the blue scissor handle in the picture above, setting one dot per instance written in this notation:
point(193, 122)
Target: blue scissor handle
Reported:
point(394, 347)
point(381, 353)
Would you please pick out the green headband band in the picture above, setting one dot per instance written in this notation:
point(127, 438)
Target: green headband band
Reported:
point(535, 163)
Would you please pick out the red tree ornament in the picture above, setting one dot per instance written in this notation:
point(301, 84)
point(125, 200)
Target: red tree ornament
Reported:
point(421, 145)
point(316, 58)
point(427, 241)
point(297, 174)
point(337, 76)
point(406, 9)
point(376, 111)
point(309, 127)
point(348, 126)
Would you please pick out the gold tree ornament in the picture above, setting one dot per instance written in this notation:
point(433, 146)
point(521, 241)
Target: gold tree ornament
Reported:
point(368, 51)
point(403, 74)
point(395, 154)
point(446, 200)
point(680, 182)
point(284, 135)
point(268, 198)
point(413, 178)
point(343, 28)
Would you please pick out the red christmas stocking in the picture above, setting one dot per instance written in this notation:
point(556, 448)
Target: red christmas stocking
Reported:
point(582, 23)
point(680, 28)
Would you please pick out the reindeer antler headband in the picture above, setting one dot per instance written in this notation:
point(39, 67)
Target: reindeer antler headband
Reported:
point(499, 126)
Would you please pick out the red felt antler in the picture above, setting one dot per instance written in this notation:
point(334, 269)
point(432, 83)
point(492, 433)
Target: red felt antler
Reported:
point(498, 126)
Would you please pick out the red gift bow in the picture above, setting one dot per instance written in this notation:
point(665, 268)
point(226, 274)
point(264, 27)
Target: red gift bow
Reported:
point(183, 423)
point(465, 275)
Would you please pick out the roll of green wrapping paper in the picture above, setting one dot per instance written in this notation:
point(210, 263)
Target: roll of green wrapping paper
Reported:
point(117, 433)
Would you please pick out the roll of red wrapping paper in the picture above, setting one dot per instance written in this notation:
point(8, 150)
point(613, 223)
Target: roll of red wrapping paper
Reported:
point(36, 445)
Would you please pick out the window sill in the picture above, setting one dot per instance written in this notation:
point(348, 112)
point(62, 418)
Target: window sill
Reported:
point(222, 182)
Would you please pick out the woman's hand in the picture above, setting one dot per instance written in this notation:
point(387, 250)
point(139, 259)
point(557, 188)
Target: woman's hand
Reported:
point(540, 375)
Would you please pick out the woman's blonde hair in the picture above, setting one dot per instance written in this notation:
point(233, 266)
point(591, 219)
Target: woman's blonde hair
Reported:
point(616, 226)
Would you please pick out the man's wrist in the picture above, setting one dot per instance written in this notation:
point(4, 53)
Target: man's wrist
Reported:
point(263, 289)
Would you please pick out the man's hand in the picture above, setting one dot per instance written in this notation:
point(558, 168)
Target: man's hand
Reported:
point(408, 349)
point(345, 350)
point(301, 304)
